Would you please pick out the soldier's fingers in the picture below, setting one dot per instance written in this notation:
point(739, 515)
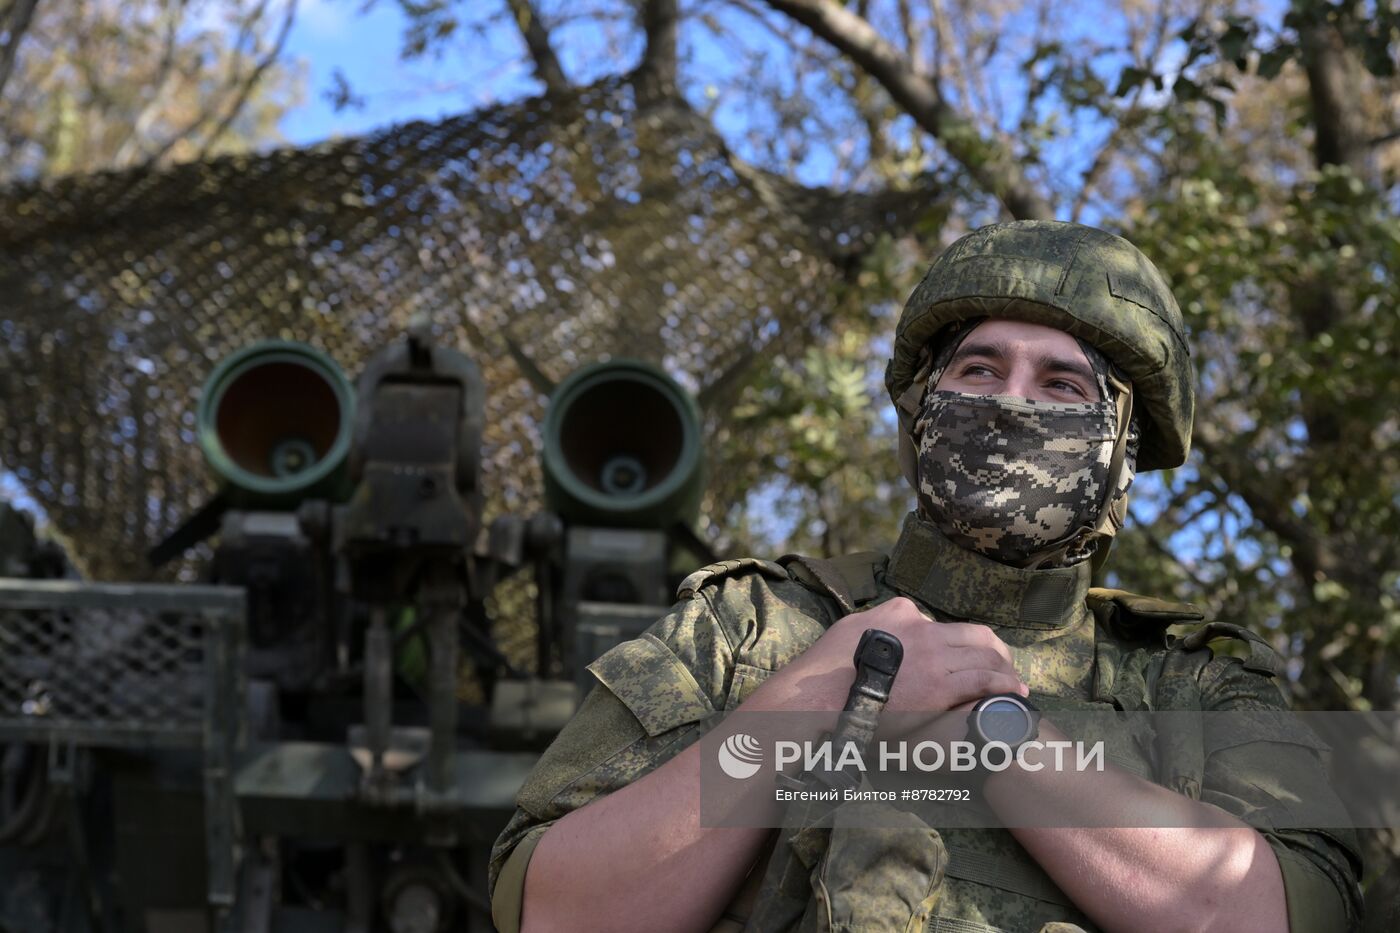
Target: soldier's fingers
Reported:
point(972, 685)
point(902, 608)
point(974, 657)
point(968, 634)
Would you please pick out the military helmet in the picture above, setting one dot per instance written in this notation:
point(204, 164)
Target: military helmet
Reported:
point(1086, 282)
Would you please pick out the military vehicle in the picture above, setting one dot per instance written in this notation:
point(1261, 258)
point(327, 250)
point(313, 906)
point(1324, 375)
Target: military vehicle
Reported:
point(323, 734)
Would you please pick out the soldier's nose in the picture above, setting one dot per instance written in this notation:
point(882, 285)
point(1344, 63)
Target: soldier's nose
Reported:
point(1019, 383)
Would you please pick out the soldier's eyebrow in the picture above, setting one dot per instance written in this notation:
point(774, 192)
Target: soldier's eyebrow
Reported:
point(1045, 362)
point(1059, 364)
point(991, 351)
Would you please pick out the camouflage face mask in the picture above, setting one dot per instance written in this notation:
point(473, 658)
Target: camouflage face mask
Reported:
point(1010, 477)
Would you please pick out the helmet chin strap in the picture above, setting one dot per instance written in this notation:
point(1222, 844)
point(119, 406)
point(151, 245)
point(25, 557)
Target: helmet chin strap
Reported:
point(1113, 511)
point(906, 410)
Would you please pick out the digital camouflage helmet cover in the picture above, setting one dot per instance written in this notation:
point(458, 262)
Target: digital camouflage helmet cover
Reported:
point(1091, 284)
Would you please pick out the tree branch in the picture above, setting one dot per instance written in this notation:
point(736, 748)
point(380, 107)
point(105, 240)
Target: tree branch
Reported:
point(15, 23)
point(951, 53)
point(990, 163)
point(725, 382)
point(1339, 132)
point(1377, 141)
point(164, 71)
point(537, 43)
point(1314, 559)
point(864, 99)
point(528, 368)
point(660, 19)
point(1143, 531)
point(1132, 115)
point(240, 86)
point(912, 44)
point(1339, 138)
point(1104, 157)
point(255, 76)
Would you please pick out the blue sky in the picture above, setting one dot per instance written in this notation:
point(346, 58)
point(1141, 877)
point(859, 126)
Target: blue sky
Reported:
point(487, 64)
point(331, 35)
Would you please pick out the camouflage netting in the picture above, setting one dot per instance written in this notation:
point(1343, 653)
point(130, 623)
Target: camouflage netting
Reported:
point(570, 228)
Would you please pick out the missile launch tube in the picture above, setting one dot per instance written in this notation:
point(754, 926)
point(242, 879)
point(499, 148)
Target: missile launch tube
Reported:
point(275, 423)
point(622, 448)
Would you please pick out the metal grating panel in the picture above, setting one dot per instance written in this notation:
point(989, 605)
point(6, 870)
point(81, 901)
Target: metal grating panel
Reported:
point(100, 665)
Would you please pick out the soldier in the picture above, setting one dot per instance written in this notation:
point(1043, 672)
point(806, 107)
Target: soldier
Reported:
point(1036, 368)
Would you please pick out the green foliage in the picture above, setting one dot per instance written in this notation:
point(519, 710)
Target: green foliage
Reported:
point(109, 85)
point(1369, 28)
point(1290, 287)
point(1286, 519)
point(808, 447)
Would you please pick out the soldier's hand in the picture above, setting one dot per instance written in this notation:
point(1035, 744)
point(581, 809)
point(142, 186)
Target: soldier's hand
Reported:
point(946, 664)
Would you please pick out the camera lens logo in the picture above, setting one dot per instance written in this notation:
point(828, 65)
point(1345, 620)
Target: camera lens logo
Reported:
point(740, 756)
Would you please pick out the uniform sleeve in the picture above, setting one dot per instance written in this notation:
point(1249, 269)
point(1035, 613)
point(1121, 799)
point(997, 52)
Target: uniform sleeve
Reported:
point(1257, 775)
point(655, 696)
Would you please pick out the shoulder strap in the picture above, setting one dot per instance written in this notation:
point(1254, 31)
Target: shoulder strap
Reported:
point(1139, 618)
point(849, 580)
point(1262, 658)
point(728, 568)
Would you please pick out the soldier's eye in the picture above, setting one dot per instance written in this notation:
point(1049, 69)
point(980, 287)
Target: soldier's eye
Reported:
point(1060, 385)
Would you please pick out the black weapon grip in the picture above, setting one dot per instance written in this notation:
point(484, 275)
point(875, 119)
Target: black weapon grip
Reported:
point(877, 660)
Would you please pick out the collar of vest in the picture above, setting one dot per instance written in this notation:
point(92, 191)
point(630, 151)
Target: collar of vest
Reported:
point(930, 569)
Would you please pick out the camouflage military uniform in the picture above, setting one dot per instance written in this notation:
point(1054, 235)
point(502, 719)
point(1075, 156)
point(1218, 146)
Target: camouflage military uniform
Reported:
point(739, 622)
